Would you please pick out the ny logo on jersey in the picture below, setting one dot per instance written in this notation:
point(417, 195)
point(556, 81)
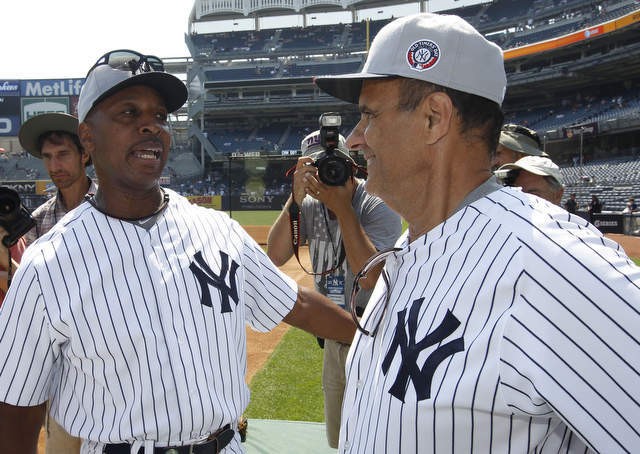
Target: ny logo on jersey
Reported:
point(206, 277)
point(409, 350)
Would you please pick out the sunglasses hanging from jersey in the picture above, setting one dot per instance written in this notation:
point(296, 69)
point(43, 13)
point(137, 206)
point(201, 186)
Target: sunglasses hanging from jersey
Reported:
point(294, 224)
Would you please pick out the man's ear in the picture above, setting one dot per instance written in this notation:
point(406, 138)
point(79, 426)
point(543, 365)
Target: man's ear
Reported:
point(86, 138)
point(437, 109)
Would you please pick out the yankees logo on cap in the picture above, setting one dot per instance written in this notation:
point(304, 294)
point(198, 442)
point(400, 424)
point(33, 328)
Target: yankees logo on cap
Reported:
point(423, 54)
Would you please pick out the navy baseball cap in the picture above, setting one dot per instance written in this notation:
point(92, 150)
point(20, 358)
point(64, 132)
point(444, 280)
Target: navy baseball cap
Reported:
point(104, 81)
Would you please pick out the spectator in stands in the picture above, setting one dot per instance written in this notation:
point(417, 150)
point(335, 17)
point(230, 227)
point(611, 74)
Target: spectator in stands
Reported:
point(535, 175)
point(344, 226)
point(595, 207)
point(516, 142)
point(500, 325)
point(53, 137)
point(571, 205)
point(631, 206)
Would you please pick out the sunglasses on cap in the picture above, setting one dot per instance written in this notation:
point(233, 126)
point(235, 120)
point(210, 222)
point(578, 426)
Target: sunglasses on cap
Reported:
point(530, 133)
point(129, 60)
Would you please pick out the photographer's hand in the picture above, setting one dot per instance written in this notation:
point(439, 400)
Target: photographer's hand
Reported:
point(4, 252)
point(304, 168)
point(337, 199)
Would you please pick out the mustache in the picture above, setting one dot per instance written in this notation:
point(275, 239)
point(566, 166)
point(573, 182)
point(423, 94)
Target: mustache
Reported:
point(150, 141)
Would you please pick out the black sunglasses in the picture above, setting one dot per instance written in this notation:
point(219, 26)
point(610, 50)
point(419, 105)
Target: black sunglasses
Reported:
point(530, 133)
point(129, 60)
point(377, 313)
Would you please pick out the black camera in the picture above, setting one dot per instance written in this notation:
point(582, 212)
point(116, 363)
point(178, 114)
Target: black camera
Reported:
point(14, 217)
point(333, 169)
point(507, 177)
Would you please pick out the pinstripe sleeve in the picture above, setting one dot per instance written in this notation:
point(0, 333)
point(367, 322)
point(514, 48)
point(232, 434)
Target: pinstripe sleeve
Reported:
point(26, 353)
point(571, 345)
point(270, 294)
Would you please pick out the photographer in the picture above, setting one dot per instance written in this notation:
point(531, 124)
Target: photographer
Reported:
point(344, 226)
point(15, 221)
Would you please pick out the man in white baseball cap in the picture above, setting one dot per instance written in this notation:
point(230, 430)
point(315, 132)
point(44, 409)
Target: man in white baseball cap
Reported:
point(536, 175)
point(494, 315)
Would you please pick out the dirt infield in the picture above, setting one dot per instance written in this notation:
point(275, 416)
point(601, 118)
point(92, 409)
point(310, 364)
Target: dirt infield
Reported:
point(630, 244)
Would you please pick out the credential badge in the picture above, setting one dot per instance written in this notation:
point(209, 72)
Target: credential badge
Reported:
point(423, 54)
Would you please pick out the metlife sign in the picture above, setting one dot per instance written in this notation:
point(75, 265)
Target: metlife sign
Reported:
point(52, 87)
point(48, 95)
point(23, 99)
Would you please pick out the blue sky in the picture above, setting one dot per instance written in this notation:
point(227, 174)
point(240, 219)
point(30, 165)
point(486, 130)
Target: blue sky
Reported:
point(45, 39)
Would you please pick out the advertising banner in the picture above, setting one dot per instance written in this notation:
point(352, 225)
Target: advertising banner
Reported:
point(51, 87)
point(586, 129)
point(608, 223)
point(207, 201)
point(9, 88)
point(32, 107)
point(257, 202)
point(9, 115)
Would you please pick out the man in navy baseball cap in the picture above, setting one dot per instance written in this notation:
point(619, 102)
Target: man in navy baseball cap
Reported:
point(119, 69)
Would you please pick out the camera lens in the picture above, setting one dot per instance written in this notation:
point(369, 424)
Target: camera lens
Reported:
point(334, 171)
point(9, 203)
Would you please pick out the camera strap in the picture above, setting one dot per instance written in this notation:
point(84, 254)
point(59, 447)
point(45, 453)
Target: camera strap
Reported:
point(294, 223)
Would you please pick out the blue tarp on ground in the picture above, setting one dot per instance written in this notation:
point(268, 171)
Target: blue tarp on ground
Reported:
point(268, 436)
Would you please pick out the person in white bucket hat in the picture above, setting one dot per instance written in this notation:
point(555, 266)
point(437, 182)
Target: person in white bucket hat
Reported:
point(500, 324)
point(536, 175)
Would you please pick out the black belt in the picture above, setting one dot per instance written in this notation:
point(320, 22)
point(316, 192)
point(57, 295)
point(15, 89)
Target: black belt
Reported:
point(212, 445)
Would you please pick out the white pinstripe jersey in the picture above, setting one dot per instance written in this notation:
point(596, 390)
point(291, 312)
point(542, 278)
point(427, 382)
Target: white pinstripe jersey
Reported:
point(139, 334)
point(511, 327)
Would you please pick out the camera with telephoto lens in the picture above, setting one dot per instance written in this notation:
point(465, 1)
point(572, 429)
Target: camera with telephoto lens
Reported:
point(333, 169)
point(14, 217)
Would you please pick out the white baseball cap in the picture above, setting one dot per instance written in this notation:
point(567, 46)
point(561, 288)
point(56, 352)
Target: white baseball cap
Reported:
point(103, 81)
point(440, 49)
point(311, 146)
point(537, 165)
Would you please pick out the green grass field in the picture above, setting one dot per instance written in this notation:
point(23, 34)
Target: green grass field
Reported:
point(289, 385)
point(254, 217)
